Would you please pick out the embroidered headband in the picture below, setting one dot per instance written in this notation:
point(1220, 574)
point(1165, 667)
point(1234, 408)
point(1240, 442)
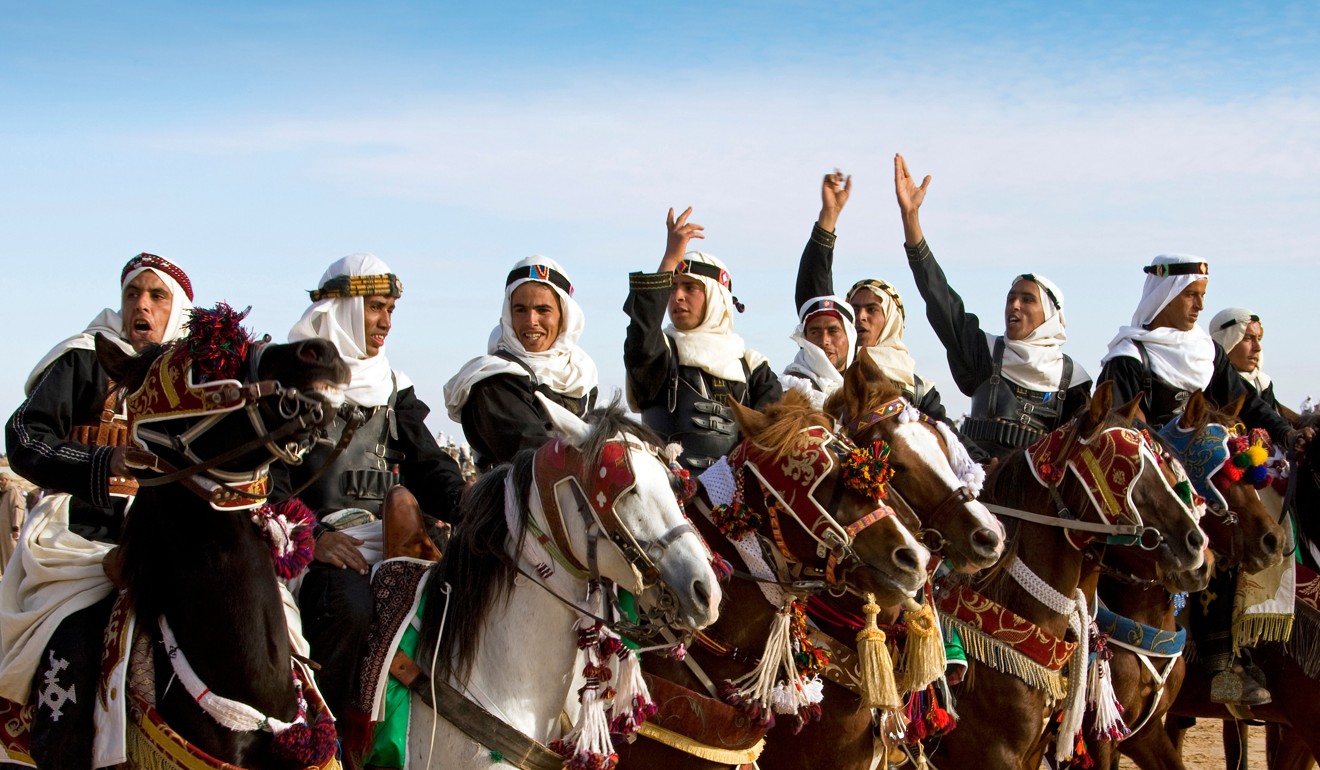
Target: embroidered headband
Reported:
point(542, 273)
point(162, 264)
point(1253, 318)
point(344, 286)
point(1031, 277)
point(1177, 268)
point(706, 270)
point(873, 284)
point(828, 305)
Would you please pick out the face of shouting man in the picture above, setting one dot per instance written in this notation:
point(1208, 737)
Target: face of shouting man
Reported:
point(377, 320)
point(687, 303)
point(870, 313)
point(1023, 311)
point(145, 309)
point(534, 309)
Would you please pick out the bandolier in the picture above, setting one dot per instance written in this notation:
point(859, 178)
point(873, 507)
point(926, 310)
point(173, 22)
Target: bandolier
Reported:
point(1007, 416)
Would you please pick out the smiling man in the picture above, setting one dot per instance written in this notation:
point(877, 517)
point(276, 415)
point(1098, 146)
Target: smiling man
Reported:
point(1021, 383)
point(681, 377)
point(533, 350)
point(70, 436)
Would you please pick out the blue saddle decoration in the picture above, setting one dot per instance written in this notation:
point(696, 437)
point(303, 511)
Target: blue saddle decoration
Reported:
point(1202, 454)
point(1156, 641)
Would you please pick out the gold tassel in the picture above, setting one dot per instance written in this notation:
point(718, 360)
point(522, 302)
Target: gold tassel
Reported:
point(878, 687)
point(923, 655)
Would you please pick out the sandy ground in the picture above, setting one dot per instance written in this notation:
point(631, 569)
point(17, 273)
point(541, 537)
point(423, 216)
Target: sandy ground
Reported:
point(1204, 748)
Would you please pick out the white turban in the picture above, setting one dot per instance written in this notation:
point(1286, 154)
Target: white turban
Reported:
point(342, 321)
point(110, 324)
point(1183, 359)
point(889, 351)
point(564, 368)
point(711, 345)
point(1228, 328)
point(1035, 362)
point(811, 363)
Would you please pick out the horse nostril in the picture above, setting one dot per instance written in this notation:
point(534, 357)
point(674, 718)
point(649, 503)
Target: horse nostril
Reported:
point(906, 558)
point(701, 591)
point(307, 354)
point(1196, 540)
point(1270, 543)
point(986, 540)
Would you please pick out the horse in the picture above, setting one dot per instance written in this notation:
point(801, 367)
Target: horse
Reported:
point(1013, 620)
point(221, 409)
point(1292, 669)
point(1242, 534)
point(516, 597)
point(889, 563)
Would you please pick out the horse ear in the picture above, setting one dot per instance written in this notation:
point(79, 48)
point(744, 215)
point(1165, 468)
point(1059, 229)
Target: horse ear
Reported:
point(1234, 409)
point(1102, 400)
point(1131, 410)
point(749, 420)
point(856, 380)
point(1194, 414)
point(573, 428)
point(113, 359)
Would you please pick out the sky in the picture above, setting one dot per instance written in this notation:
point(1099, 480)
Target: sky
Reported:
point(256, 143)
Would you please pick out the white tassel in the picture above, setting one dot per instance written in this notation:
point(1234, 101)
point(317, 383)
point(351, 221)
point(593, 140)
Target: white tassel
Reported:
point(632, 700)
point(588, 745)
point(759, 686)
point(1109, 723)
point(1074, 710)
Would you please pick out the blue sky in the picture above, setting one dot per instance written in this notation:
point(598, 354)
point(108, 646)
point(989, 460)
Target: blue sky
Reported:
point(255, 143)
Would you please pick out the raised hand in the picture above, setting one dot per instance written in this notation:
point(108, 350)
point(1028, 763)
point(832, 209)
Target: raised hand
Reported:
point(834, 191)
point(910, 197)
point(680, 232)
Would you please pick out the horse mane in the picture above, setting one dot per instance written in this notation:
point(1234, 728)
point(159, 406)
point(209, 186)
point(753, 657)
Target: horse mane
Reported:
point(609, 421)
point(784, 422)
point(865, 389)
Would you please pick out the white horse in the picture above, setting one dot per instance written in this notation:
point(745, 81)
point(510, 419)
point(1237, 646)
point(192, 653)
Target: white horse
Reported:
point(510, 633)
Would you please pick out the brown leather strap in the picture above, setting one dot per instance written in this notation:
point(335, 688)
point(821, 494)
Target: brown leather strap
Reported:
point(554, 516)
point(477, 723)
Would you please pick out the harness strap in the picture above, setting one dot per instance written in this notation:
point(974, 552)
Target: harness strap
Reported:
point(1132, 530)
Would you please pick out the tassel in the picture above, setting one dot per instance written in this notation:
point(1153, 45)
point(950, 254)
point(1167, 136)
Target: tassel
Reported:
point(1074, 710)
point(588, 746)
point(632, 700)
point(759, 691)
point(1109, 724)
point(877, 669)
point(923, 654)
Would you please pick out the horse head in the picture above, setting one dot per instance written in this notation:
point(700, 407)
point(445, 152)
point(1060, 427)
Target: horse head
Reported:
point(1106, 467)
point(1226, 466)
point(821, 498)
point(922, 457)
point(611, 469)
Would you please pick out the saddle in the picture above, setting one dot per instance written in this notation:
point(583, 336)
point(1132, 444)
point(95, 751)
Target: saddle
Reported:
point(406, 532)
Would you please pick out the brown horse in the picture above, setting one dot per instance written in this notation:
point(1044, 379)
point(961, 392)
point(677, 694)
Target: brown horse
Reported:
point(892, 565)
point(1242, 534)
point(1002, 714)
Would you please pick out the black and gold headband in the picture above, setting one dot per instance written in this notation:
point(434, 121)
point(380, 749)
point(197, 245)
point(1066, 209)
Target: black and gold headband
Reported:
point(875, 284)
point(1177, 268)
point(343, 286)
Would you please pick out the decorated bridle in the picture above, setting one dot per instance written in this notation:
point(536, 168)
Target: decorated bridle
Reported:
point(597, 488)
point(960, 496)
point(196, 377)
point(1107, 466)
point(789, 483)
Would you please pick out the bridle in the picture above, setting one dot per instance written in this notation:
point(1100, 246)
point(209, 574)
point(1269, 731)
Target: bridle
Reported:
point(788, 487)
point(170, 392)
point(932, 538)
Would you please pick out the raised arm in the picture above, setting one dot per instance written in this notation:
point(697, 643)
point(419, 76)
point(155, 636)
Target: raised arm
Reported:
point(815, 276)
point(646, 354)
point(910, 197)
point(680, 232)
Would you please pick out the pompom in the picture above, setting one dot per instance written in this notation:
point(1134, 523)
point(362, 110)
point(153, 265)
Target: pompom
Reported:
point(217, 343)
point(1258, 476)
point(1258, 455)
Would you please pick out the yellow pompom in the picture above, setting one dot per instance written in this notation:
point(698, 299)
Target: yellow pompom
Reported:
point(1258, 455)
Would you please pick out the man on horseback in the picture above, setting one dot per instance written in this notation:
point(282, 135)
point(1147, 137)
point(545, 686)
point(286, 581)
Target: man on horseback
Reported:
point(533, 350)
point(681, 377)
point(1239, 333)
point(1021, 383)
point(1162, 357)
point(388, 447)
point(69, 436)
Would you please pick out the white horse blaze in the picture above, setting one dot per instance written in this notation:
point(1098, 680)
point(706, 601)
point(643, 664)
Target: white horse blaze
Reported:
point(923, 443)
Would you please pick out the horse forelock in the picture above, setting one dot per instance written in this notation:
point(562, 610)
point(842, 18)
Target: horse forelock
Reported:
point(609, 422)
point(786, 419)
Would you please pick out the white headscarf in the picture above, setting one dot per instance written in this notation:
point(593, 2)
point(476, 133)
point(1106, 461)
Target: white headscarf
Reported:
point(1183, 359)
point(111, 325)
point(342, 321)
point(565, 368)
point(1035, 362)
point(1229, 328)
point(889, 351)
point(712, 346)
point(811, 365)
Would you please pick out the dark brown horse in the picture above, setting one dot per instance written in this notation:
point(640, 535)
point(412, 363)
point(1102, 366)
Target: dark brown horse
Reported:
point(891, 565)
point(1001, 714)
point(201, 563)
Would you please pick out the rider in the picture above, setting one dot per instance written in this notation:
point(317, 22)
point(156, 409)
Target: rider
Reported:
point(70, 436)
point(1021, 383)
point(1162, 357)
point(682, 376)
point(1240, 334)
point(353, 308)
point(533, 350)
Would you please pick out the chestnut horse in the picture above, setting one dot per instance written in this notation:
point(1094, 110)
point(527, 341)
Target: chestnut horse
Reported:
point(891, 564)
point(1055, 514)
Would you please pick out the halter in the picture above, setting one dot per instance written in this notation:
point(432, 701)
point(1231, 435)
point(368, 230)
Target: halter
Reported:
point(789, 485)
point(170, 392)
point(932, 538)
point(558, 464)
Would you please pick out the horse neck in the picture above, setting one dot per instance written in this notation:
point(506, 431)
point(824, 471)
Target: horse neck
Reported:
point(210, 574)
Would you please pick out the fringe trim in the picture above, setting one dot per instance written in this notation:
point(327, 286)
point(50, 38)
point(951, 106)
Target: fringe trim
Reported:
point(999, 656)
point(1304, 647)
point(700, 750)
point(1251, 629)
